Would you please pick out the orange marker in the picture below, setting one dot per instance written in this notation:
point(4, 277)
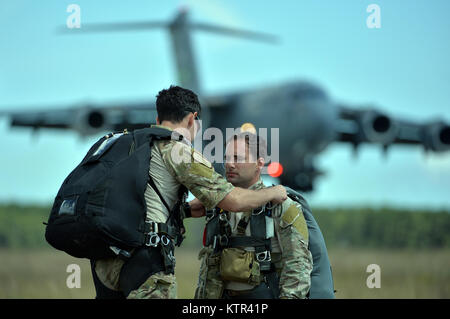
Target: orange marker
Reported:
point(275, 169)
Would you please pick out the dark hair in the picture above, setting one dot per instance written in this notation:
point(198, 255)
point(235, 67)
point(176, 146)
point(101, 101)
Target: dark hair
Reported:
point(175, 103)
point(256, 144)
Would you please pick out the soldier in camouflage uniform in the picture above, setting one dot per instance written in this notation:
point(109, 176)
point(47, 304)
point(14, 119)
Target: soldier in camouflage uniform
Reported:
point(291, 260)
point(173, 163)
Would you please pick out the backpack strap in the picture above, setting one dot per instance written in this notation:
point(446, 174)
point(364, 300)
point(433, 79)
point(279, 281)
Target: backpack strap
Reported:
point(160, 134)
point(155, 188)
point(174, 220)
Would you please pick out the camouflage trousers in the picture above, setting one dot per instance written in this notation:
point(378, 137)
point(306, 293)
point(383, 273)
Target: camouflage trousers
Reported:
point(157, 286)
point(113, 277)
point(210, 284)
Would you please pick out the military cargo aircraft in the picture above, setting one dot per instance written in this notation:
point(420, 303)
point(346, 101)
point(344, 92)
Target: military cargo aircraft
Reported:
point(308, 120)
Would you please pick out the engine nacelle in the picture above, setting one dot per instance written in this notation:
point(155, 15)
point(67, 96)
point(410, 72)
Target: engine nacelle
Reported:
point(90, 121)
point(378, 127)
point(437, 137)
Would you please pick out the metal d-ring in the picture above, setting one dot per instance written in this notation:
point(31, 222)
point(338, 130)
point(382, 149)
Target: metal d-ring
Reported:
point(165, 241)
point(261, 211)
point(263, 256)
point(153, 240)
point(271, 207)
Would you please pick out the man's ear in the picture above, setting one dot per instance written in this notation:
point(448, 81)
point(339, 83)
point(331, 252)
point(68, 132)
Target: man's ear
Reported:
point(260, 163)
point(191, 120)
point(157, 120)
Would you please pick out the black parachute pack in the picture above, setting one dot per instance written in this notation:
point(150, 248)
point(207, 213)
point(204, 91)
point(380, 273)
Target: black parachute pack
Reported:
point(322, 286)
point(100, 205)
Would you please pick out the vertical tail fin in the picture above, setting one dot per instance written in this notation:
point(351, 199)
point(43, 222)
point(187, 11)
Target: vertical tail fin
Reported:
point(180, 32)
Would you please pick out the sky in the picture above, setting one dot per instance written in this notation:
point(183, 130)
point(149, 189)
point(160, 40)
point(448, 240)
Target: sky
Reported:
point(400, 68)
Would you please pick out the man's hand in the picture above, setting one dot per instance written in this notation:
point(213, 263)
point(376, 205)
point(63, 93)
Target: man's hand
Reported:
point(280, 194)
point(197, 208)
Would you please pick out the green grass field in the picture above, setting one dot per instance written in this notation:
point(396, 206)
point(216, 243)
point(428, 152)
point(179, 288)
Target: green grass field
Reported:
point(404, 274)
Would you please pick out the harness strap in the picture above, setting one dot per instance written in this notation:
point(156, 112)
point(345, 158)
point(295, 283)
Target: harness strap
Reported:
point(172, 219)
point(159, 228)
point(162, 234)
point(242, 225)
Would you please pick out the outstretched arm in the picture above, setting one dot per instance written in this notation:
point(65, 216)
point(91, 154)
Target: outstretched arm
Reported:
point(212, 189)
point(241, 199)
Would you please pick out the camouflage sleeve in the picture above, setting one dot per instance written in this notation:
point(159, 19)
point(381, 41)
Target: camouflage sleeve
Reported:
point(297, 263)
point(191, 169)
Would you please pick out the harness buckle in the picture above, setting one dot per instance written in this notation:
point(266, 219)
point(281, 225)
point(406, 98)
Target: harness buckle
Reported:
point(263, 256)
point(262, 209)
point(153, 240)
point(165, 240)
point(209, 214)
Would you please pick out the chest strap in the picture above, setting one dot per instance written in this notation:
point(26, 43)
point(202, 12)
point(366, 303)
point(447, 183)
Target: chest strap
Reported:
point(242, 225)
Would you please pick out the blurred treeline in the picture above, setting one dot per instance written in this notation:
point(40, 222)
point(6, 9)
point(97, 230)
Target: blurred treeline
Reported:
point(384, 228)
point(22, 227)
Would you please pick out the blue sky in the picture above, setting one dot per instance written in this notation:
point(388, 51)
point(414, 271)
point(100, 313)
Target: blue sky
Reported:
point(401, 68)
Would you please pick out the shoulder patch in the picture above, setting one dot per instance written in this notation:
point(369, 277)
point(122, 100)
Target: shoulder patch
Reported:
point(199, 158)
point(201, 170)
point(200, 165)
point(294, 216)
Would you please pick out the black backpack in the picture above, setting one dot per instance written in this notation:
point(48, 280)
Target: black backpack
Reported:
point(100, 205)
point(322, 286)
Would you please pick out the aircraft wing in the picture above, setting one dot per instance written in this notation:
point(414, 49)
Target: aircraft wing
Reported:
point(86, 119)
point(371, 126)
